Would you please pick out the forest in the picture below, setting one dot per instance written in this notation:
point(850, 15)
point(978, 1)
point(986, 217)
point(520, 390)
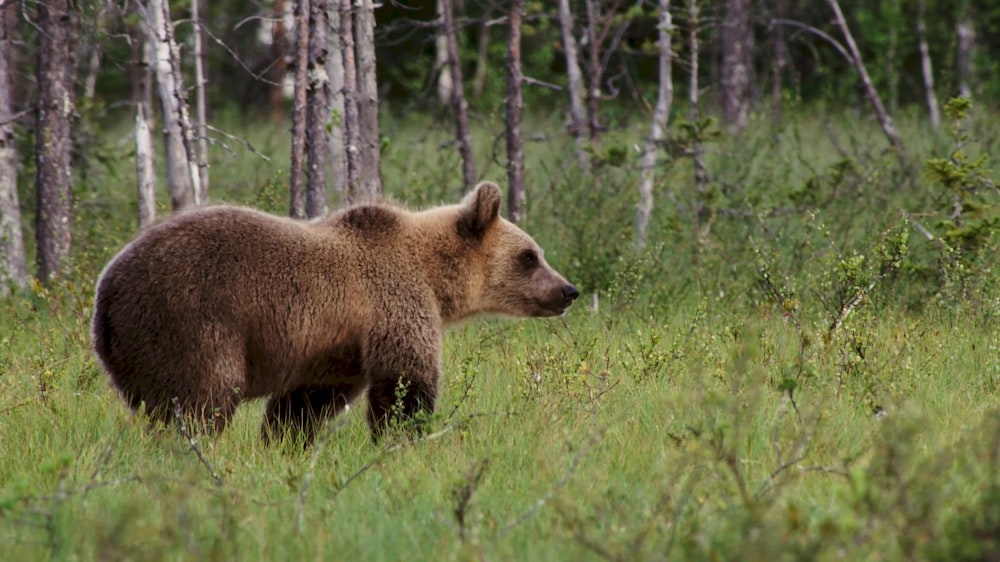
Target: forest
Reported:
point(782, 216)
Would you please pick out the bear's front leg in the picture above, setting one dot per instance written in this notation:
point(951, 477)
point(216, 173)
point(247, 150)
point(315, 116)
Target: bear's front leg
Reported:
point(403, 370)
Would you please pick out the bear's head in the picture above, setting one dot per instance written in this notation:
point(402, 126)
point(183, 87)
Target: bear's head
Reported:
point(510, 271)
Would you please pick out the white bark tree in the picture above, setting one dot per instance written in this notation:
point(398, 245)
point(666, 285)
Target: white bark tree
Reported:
point(966, 32)
point(927, 68)
point(352, 135)
point(335, 90)
point(883, 116)
point(736, 47)
point(515, 140)
point(577, 111)
point(664, 99)
point(364, 41)
point(445, 82)
point(183, 176)
point(13, 271)
point(201, 128)
point(144, 173)
point(318, 110)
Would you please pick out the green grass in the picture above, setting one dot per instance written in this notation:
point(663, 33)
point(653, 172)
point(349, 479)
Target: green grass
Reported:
point(699, 413)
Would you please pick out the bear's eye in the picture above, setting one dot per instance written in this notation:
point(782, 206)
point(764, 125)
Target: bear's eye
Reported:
point(528, 259)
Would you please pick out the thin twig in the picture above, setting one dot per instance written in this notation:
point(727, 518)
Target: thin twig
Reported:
point(329, 431)
point(186, 433)
point(244, 142)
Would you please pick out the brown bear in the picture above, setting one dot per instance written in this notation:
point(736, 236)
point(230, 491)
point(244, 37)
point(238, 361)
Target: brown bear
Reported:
point(218, 305)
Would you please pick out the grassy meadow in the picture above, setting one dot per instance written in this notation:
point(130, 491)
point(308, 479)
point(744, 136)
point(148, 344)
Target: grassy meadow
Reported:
point(809, 369)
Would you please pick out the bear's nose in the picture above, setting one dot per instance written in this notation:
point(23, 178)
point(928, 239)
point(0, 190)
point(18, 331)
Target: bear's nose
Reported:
point(570, 293)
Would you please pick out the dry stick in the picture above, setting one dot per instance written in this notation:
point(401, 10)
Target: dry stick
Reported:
point(186, 433)
point(244, 142)
point(559, 484)
point(883, 116)
point(330, 430)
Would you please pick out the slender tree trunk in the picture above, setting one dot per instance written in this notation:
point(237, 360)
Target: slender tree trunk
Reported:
point(594, 86)
point(927, 68)
point(279, 66)
point(352, 135)
point(371, 142)
point(703, 214)
point(966, 32)
point(201, 128)
point(482, 56)
point(442, 61)
point(182, 168)
point(458, 102)
point(317, 137)
point(577, 111)
point(736, 48)
point(53, 138)
point(664, 99)
point(883, 117)
point(296, 184)
point(13, 270)
point(779, 60)
point(515, 141)
point(144, 173)
point(335, 89)
point(142, 98)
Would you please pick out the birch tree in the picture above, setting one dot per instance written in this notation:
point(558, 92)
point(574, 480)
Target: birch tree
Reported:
point(201, 128)
point(53, 138)
point(927, 68)
point(883, 116)
point(142, 96)
point(966, 32)
point(335, 103)
point(371, 142)
point(183, 177)
point(459, 105)
point(296, 186)
point(318, 110)
point(515, 141)
point(352, 135)
point(13, 271)
point(664, 99)
point(736, 47)
point(578, 116)
point(445, 82)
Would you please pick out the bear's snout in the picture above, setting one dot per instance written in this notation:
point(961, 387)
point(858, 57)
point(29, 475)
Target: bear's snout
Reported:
point(569, 293)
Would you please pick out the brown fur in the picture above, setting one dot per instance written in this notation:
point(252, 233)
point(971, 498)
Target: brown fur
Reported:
point(218, 305)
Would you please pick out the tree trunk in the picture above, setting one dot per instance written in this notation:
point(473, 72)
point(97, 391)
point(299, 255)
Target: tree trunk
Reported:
point(458, 102)
point(515, 141)
point(201, 128)
point(883, 117)
point(371, 143)
point(13, 271)
point(779, 60)
point(482, 56)
point(577, 112)
point(736, 49)
point(53, 136)
point(442, 61)
point(664, 99)
point(702, 213)
point(296, 185)
point(335, 89)
point(182, 169)
point(142, 98)
point(279, 66)
point(317, 137)
point(352, 136)
point(966, 32)
point(927, 68)
point(144, 173)
point(594, 86)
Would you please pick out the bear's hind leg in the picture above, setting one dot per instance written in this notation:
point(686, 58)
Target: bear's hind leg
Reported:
point(303, 411)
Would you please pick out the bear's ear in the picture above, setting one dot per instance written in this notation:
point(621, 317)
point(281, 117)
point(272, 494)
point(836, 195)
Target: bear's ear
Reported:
point(480, 209)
